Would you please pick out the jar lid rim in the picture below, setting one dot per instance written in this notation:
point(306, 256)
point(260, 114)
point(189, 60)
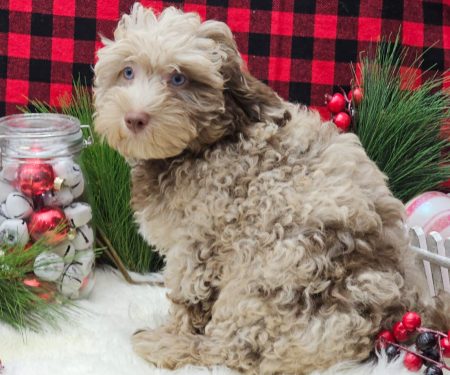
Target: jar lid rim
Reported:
point(12, 126)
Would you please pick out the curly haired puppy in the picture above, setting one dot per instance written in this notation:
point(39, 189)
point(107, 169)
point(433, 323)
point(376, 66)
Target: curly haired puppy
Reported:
point(285, 249)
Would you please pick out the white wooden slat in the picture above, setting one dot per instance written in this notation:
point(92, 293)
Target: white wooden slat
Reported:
point(418, 241)
point(446, 273)
point(431, 257)
point(441, 252)
point(433, 241)
point(447, 247)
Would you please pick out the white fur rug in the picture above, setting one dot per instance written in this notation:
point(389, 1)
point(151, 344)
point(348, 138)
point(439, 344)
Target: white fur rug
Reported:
point(96, 341)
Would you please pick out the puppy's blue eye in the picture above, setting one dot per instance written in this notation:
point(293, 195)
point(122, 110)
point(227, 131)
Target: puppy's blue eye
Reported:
point(178, 79)
point(128, 73)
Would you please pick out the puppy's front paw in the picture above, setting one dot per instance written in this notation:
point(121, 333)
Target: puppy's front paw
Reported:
point(147, 344)
point(139, 331)
point(163, 348)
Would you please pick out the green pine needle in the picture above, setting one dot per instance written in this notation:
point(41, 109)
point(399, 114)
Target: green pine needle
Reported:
point(108, 177)
point(20, 305)
point(399, 125)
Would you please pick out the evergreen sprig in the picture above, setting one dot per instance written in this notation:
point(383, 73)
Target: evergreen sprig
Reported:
point(23, 306)
point(108, 187)
point(399, 124)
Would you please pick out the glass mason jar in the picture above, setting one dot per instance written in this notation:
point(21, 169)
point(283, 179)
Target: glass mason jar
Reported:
point(42, 198)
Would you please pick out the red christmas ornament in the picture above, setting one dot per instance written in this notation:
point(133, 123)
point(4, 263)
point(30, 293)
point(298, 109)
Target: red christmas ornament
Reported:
point(342, 120)
point(45, 296)
point(31, 282)
point(445, 346)
point(412, 362)
point(384, 338)
point(49, 223)
point(411, 320)
point(356, 94)
point(336, 103)
point(35, 178)
point(400, 332)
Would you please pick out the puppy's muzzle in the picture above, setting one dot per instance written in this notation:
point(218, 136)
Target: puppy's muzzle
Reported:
point(136, 121)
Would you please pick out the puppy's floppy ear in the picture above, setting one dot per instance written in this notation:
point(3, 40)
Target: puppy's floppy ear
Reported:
point(139, 17)
point(241, 90)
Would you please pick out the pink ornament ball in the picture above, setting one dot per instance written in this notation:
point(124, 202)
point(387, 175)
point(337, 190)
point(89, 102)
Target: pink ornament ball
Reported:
point(431, 211)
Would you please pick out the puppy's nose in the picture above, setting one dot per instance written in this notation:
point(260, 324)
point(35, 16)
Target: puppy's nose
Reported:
point(136, 121)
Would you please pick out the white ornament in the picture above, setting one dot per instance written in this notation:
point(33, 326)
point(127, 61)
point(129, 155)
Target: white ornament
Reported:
point(3, 214)
point(5, 189)
point(85, 259)
point(78, 189)
point(61, 197)
point(87, 285)
point(14, 232)
point(48, 266)
point(65, 250)
point(3, 211)
point(5, 268)
point(84, 238)
point(18, 206)
point(9, 171)
point(78, 214)
point(68, 170)
point(71, 281)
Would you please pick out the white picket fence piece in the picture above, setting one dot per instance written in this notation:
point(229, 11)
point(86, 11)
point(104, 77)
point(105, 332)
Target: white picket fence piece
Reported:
point(435, 253)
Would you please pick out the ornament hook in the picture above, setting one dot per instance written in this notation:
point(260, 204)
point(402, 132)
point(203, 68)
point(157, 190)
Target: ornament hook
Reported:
point(90, 139)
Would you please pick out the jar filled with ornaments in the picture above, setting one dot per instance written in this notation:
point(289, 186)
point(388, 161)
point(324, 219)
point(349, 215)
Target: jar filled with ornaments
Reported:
point(43, 198)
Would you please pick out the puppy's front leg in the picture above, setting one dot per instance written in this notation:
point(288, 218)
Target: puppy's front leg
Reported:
point(193, 282)
point(192, 294)
point(178, 342)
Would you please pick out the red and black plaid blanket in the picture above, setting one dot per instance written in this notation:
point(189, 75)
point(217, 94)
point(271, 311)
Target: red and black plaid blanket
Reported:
point(301, 48)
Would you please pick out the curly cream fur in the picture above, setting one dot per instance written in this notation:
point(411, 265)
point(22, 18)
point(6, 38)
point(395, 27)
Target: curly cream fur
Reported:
point(284, 247)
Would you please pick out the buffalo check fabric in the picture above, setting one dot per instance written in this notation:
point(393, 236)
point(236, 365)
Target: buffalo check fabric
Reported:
point(301, 48)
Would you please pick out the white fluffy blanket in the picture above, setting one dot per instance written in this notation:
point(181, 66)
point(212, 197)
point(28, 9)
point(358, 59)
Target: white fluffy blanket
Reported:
point(97, 340)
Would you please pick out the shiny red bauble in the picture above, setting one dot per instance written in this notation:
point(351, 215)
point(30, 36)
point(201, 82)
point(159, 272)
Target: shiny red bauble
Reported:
point(400, 332)
point(46, 296)
point(50, 224)
point(336, 103)
point(35, 178)
point(32, 282)
point(342, 120)
point(445, 346)
point(384, 338)
point(411, 320)
point(356, 94)
point(412, 362)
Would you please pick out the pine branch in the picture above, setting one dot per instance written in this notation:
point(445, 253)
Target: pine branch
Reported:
point(399, 125)
point(23, 306)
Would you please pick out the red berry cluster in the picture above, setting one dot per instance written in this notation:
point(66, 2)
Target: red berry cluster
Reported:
point(341, 106)
point(430, 346)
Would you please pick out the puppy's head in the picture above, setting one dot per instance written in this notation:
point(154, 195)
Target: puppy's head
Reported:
point(169, 83)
